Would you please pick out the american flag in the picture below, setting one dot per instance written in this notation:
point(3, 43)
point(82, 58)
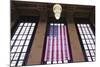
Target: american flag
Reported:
point(57, 50)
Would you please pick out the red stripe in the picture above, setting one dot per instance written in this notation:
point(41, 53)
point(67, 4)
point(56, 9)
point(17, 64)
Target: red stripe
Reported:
point(67, 48)
point(52, 43)
point(61, 42)
point(57, 45)
point(65, 42)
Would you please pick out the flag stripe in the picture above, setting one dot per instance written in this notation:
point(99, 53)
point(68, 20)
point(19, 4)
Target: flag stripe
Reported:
point(57, 50)
point(67, 49)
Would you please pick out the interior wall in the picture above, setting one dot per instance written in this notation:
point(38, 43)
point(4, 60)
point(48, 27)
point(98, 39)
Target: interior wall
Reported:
point(14, 15)
point(44, 12)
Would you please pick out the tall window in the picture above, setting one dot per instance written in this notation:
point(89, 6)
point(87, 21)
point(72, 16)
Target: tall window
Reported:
point(20, 43)
point(88, 41)
point(57, 49)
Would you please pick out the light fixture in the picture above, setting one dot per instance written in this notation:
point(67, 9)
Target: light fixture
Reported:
point(57, 9)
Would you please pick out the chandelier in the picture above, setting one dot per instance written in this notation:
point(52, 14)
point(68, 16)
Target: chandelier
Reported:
point(57, 9)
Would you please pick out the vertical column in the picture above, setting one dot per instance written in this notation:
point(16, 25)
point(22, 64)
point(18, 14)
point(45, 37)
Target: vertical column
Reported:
point(37, 46)
point(77, 54)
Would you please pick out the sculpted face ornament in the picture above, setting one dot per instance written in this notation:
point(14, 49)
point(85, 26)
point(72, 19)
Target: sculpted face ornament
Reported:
point(57, 9)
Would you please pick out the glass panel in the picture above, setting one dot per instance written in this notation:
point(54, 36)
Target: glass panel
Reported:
point(93, 46)
point(86, 37)
point(85, 46)
point(89, 36)
point(31, 31)
point(27, 42)
point(14, 49)
point(25, 24)
point(21, 24)
point(12, 41)
point(19, 49)
point(88, 42)
point(92, 52)
point(90, 47)
point(17, 42)
point(14, 37)
point(29, 24)
point(83, 31)
point(19, 37)
point(87, 53)
point(24, 37)
point(91, 41)
point(83, 41)
point(20, 63)
point(82, 36)
point(89, 59)
point(13, 63)
point(22, 42)
point(93, 58)
point(18, 30)
point(33, 24)
point(23, 29)
point(29, 37)
point(12, 54)
point(25, 48)
point(22, 56)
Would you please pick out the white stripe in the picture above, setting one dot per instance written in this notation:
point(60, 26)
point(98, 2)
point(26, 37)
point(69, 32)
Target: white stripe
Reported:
point(54, 53)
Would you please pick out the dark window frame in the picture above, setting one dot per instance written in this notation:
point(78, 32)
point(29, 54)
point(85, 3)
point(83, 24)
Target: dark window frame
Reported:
point(80, 39)
point(28, 19)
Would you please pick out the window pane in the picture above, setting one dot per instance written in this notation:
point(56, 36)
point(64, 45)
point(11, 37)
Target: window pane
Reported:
point(25, 48)
point(20, 63)
point(87, 53)
point(22, 42)
point(22, 56)
point(90, 47)
point(83, 41)
point(24, 37)
point(12, 41)
point(14, 37)
point(87, 40)
point(86, 37)
point(29, 37)
point(82, 36)
point(29, 24)
point(27, 42)
point(11, 57)
point(21, 24)
point(13, 63)
point(33, 24)
point(17, 42)
point(89, 59)
point(20, 39)
point(14, 49)
point(23, 29)
point(19, 49)
point(25, 24)
point(85, 46)
point(17, 32)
